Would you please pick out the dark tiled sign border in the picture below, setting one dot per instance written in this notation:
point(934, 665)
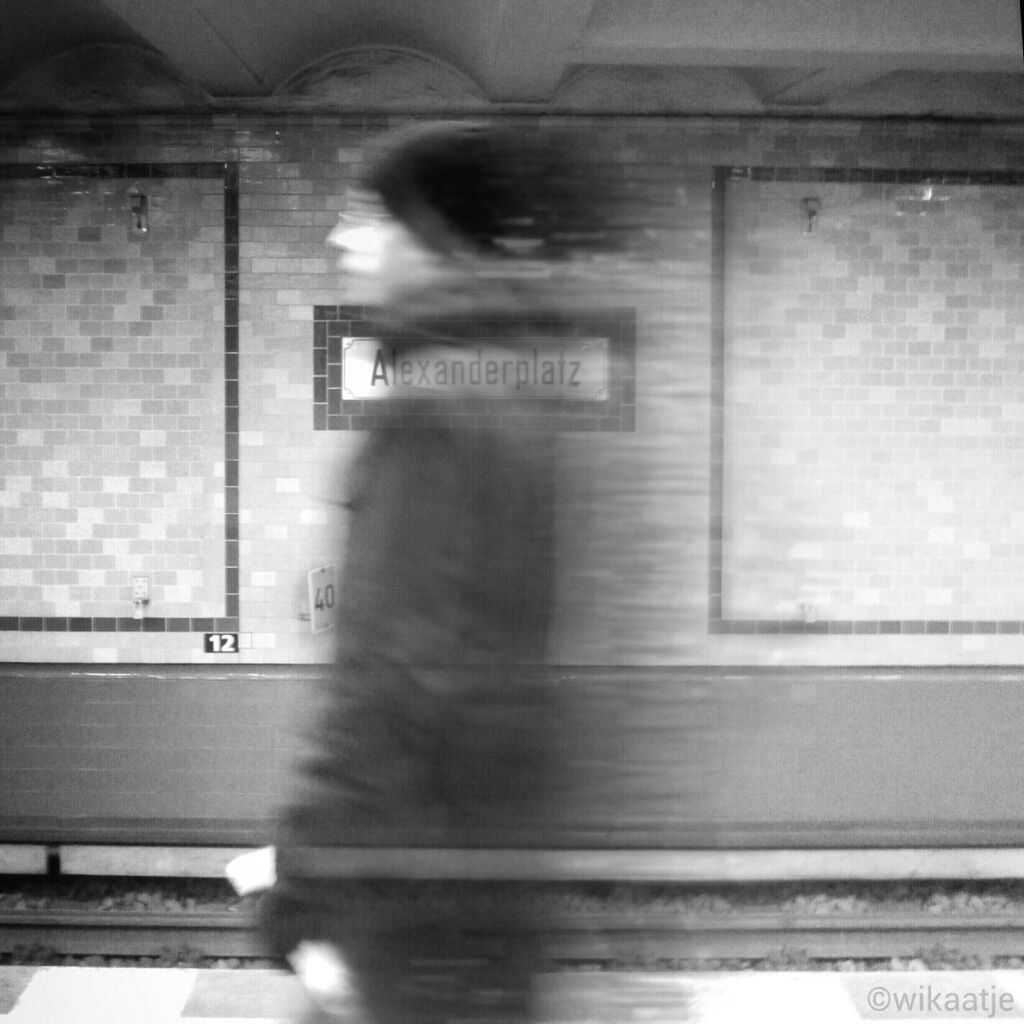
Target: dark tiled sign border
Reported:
point(228, 622)
point(616, 413)
point(717, 624)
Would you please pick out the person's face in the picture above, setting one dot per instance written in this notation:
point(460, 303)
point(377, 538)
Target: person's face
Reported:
point(378, 256)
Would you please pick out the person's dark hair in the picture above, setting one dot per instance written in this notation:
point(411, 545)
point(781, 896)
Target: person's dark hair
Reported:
point(496, 189)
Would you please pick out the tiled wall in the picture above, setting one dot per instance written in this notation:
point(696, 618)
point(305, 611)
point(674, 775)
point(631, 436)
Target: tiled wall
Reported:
point(769, 478)
point(874, 419)
point(112, 349)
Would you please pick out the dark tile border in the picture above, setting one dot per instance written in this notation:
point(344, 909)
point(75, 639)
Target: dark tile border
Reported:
point(716, 455)
point(717, 623)
point(332, 412)
point(871, 175)
point(228, 622)
point(232, 389)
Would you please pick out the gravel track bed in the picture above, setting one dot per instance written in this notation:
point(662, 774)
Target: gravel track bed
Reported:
point(201, 895)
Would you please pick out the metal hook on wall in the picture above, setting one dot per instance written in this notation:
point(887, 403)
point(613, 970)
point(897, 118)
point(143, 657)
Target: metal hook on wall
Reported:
point(138, 204)
point(810, 207)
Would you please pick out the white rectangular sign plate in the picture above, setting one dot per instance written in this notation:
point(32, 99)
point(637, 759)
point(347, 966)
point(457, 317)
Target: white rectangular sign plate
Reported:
point(569, 368)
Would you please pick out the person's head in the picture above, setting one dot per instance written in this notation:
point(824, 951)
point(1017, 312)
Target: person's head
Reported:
point(377, 254)
point(440, 197)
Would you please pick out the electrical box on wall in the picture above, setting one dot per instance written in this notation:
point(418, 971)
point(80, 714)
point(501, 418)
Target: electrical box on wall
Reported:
point(140, 596)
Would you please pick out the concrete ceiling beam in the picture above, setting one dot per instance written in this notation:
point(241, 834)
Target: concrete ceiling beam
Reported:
point(918, 35)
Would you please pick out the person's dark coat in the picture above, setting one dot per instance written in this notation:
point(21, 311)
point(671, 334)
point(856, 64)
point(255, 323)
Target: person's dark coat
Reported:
point(441, 728)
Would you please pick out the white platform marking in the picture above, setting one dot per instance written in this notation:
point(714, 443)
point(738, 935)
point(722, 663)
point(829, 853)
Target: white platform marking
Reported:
point(93, 995)
point(790, 997)
point(97, 995)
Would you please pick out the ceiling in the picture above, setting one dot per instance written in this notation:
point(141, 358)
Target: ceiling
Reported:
point(946, 58)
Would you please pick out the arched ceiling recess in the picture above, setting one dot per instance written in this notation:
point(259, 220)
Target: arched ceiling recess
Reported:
point(647, 90)
point(103, 77)
point(375, 77)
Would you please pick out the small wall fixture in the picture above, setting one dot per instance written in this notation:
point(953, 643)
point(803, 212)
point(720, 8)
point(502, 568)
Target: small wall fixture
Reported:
point(139, 206)
point(810, 207)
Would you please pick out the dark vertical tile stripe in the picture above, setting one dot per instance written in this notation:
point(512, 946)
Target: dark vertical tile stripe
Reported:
point(232, 460)
point(717, 453)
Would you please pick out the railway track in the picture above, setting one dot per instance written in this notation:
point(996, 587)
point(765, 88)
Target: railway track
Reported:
point(130, 933)
point(592, 939)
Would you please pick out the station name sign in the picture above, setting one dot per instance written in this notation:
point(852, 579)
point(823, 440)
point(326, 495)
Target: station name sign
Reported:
point(567, 368)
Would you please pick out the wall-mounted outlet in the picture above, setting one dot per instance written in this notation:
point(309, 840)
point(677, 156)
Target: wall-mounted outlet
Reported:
point(140, 589)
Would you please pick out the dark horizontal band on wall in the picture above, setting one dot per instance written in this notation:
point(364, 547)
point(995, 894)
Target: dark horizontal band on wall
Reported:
point(879, 175)
point(625, 422)
point(114, 170)
point(99, 624)
point(663, 757)
point(621, 315)
point(880, 627)
point(174, 831)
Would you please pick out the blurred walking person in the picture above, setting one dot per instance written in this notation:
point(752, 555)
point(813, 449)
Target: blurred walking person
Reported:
point(441, 729)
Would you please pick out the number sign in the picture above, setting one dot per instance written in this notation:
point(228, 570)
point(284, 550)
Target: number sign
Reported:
point(323, 588)
point(220, 643)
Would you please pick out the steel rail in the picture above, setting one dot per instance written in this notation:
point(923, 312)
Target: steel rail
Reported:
point(129, 933)
point(612, 938)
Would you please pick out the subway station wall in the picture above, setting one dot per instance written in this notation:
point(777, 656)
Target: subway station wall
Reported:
point(819, 466)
